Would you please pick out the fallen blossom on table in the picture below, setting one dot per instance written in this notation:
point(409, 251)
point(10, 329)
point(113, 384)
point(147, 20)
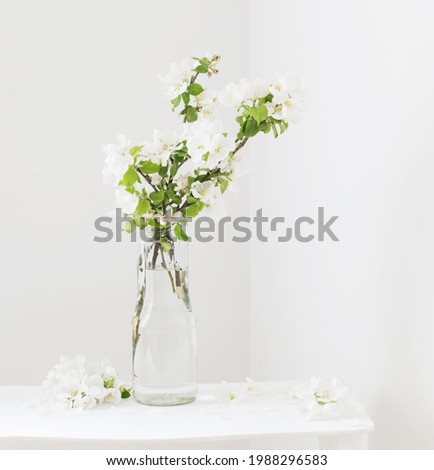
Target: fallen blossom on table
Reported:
point(73, 384)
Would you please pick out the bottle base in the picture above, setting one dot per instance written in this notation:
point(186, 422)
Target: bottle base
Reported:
point(169, 398)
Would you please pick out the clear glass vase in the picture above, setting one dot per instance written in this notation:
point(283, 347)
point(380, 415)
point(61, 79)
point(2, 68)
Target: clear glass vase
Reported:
point(164, 328)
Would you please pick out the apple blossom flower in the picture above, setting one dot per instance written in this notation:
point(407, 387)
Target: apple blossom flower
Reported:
point(163, 144)
point(250, 385)
point(206, 103)
point(288, 101)
point(254, 90)
point(199, 136)
point(205, 191)
point(117, 161)
point(113, 396)
point(126, 201)
point(185, 171)
point(327, 398)
point(94, 386)
point(219, 148)
point(122, 147)
point(216, 210)
point(231, 96)
point(229, 393)
point(177, 80)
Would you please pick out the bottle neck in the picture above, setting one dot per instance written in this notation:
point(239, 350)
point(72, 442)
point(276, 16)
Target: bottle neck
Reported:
point(161, 250)
point(163, 272)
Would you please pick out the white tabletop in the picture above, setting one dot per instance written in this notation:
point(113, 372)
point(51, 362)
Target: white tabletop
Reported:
point(268, 413)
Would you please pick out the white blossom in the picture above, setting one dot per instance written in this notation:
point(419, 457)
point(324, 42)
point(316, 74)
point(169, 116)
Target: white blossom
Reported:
point(231, 96)
point(219, 148)
point(288, 100)
point(327, 398)
point(237, 166)
point(72, 384)
point(207, 103)
point(177, 80)
point(199, 136)
point(114, 394)
point(117, 161)
point(250, 385)
point(122, 147)
point(163, 144)
point(207, 145)
point(94, 386)
point(186, 170)
point(229, 393)
point(216, 210)
point(205, 191)
point(126, 201)
point(253, 90)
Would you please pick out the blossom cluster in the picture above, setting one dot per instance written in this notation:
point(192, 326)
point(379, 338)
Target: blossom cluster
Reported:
point(323, 398)
point(73, 384)
point(182, 171)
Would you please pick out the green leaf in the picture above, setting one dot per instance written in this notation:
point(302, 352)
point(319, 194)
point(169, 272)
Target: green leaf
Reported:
point(193, 210)
point(176, 101)
point(173, 196)
point(129, 226)
point(179, 157)
point(265, 127)
point(174, 169)
point(134, 151)
point(224, 183)
point(204, 61)
point(191, 114)
point(283, 125)
point(109, 383)
point(143, 207)
point(180, 234)
point(140, 223)
point(259, 114)
point(149, 167)
point(273, 126)
point(125, 394)
point(157, 197)
point(202, 69)
point(185, 97)
point(252, 128)
point(191, 199)
point(163, 171)
point(130, 177)
point(195, 89)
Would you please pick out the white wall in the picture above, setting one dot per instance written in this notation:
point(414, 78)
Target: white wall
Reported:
point(360, 309)
point(73, 76)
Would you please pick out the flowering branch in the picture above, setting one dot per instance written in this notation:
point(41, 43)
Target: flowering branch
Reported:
point(186, 170)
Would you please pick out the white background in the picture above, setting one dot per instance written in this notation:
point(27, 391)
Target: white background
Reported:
point(74, 74)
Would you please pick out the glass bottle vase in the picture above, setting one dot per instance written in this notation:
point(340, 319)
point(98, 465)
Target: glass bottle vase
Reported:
point(164, 328)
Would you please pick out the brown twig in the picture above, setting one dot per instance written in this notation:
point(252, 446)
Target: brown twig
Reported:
point(147, 178)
